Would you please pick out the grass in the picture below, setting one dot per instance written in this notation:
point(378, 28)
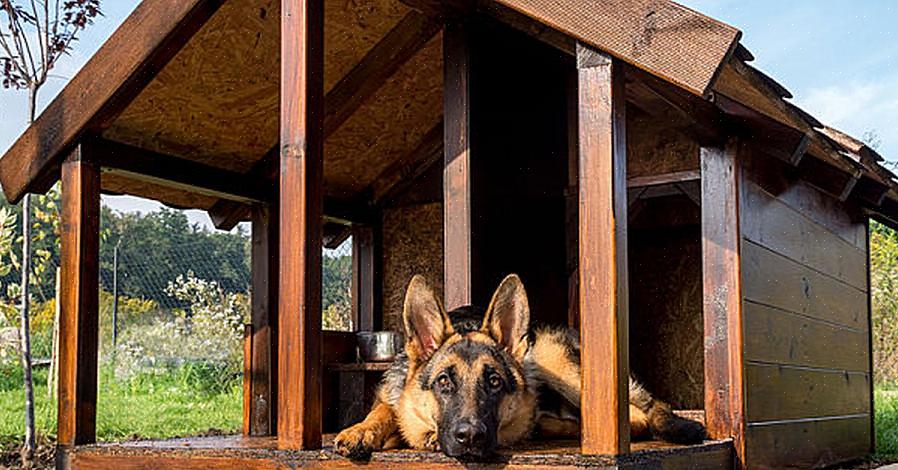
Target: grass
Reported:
point(886, 405)
point(186, 402)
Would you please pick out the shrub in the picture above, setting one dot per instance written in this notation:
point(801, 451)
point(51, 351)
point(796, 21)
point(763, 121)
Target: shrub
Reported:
point(205, 339)
point(884, 284)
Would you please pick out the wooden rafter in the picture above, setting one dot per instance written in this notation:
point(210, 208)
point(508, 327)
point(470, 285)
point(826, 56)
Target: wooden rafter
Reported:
point(127, 62)
point(347, 96)
point(179, 173)
point(404, 172)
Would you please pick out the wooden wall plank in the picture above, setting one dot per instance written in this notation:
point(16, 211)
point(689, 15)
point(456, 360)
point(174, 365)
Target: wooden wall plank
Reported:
point(778, 180)
point(265, 239)
point(603, 254)
point(722, 292)
point(775, 225)
point(301, 169)
point(457, 181)
point(79, 299)
point(776, 392)
point(125, 64)
point(809, 443)
point(771, 279)
point(781, 337)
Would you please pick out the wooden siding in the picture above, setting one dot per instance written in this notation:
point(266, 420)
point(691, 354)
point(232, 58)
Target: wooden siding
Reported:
point(806, 324)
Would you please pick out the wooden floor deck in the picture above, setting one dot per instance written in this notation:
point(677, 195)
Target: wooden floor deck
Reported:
point(262, 453)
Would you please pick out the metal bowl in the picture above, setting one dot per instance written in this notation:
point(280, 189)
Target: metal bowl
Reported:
point(379, 346)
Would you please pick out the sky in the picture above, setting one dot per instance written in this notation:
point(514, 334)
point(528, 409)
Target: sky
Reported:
point(838, 58)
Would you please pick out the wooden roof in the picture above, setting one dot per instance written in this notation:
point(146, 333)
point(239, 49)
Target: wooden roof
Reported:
point(194, 84)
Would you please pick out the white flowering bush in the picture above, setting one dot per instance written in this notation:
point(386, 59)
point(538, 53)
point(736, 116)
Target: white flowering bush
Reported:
point(205, 337)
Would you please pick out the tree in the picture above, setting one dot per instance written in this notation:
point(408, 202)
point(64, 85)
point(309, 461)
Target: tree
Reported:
point(34, 36)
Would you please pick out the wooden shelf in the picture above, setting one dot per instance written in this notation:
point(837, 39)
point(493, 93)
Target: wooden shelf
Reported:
point(359, 366)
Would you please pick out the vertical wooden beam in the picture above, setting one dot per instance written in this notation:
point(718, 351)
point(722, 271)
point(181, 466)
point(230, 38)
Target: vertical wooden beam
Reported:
point(301, 155)
point(457, 185)
point(722, 291)
point(79, 300)
point(264, 353)
point(572, 202)
point(603, 254)
point(363, 278)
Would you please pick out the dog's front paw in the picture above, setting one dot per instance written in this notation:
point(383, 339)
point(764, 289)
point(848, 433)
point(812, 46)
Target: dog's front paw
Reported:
point(357, 442)
point(431, 443)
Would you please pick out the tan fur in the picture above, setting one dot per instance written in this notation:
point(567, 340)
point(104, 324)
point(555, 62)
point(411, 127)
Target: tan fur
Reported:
point(551, 427)
point(378, 429)
point(548, 361)
point(412, 417)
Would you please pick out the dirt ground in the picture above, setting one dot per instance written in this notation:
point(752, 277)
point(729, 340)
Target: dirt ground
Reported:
point(44, 457)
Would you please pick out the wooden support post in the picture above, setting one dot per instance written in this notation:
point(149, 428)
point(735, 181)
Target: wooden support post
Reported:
point(722, 291)
point(603, 255)
point(263, 411)
point(79, 299)
point(301, 167)
point(364, 283)
point(457, 190)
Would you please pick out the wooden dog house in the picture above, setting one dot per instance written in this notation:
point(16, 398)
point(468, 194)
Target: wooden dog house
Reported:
point(649, 185)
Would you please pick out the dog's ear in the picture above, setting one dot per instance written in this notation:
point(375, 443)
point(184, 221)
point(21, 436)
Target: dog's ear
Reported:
point(426, 324)
point(508, 316)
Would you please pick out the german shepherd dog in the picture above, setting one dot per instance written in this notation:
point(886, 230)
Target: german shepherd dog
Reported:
point(469, 382)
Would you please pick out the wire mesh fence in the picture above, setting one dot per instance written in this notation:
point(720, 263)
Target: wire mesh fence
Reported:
point(173, 301)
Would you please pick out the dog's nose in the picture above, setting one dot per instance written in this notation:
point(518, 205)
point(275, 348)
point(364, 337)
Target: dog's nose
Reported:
point(469, 434)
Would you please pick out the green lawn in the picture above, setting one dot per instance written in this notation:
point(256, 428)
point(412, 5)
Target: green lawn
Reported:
point(887, 423)
point(150, 407)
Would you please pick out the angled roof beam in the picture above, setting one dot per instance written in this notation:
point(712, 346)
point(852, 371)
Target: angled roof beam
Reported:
point(404, 172)
point(178, 173)
point(395, 49)
point(701, 119)
point(125, 64)
point(380, 63)
point(775, 138)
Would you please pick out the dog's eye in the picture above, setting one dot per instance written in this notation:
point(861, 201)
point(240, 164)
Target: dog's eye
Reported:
point(495, 381)
point(444, 382)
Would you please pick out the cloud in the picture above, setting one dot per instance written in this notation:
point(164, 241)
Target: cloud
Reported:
point(857, 107)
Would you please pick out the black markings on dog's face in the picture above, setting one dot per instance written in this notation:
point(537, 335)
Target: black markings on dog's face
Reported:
point(469, 379)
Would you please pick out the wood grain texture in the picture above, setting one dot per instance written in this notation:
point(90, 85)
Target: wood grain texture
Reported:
point(842, 219)
point(126, 63)
point(141, 165)
point(776, 392)
point(809, 443)
point(603, 254)
point(264, 289)
point(722, 292)
point(457, 178)
point(300, 206)
point(771, 279)
point(79, 299)
point(777, 336)
point(775, 225)
point(653, 35)
point(261, 453)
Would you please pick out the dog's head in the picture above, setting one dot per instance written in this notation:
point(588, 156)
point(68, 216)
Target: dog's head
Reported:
point(466, 387)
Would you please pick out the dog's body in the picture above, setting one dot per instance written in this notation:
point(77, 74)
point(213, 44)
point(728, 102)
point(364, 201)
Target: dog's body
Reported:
point(471, 381)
